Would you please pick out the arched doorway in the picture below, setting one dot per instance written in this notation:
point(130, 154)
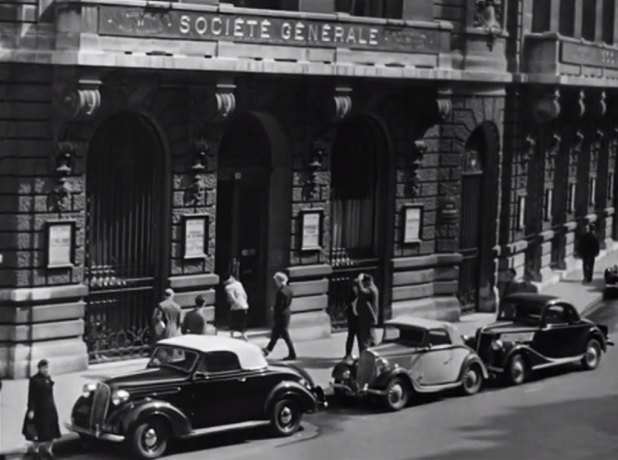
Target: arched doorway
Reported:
point(478, 218)
point(253, 211)
point(361, 211)
point(126, 235)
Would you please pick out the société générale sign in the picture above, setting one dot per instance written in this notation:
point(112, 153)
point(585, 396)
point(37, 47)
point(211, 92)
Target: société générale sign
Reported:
point(194, 25)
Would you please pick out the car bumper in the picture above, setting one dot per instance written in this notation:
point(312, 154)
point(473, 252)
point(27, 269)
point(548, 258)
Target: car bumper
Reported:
point(111, 437)
point(359, 393)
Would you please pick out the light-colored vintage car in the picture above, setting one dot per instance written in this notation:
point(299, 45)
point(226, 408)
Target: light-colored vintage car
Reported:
point(416, 355)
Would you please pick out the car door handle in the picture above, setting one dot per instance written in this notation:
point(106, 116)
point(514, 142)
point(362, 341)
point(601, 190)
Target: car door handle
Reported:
point(242, 379)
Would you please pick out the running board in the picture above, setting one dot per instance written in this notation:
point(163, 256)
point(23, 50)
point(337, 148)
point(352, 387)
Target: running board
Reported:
point(228, 427)
point(558, 362)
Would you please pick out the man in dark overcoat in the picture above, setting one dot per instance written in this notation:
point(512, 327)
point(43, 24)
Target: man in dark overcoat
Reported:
point(281, 317)
point(367, 307)
point(588, 249)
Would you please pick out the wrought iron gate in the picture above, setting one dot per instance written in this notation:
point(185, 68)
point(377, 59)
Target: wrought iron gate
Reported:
point(123, 232)
point(469, 272)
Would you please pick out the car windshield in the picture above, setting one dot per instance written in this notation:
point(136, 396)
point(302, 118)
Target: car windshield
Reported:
point(519, 311)
point(409, 336)
point(173, 357)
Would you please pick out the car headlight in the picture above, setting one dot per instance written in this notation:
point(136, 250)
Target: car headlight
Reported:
point(381, 365)
point(497, 345)
point(120, 396)
point(88, 388)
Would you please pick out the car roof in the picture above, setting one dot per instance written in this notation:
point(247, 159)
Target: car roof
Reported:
point(249, 355)
point(409, 320)
point(529, 297)
point(424, 323)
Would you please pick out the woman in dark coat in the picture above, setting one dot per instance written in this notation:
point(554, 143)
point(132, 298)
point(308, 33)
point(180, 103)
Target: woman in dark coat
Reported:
point(41, 423)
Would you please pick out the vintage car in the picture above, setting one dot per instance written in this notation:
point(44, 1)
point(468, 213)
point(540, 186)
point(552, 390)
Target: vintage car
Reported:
point(535, 331)
point(416, 355)
point(611, 277)
point(195, 385)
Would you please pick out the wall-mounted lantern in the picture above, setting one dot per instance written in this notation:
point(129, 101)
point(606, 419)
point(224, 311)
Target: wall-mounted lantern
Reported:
point(201, 151)
point(314, 166)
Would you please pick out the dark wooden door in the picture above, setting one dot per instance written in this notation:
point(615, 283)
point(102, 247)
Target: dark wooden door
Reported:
point(124, 236)
point(469, 240)
point(241, 209)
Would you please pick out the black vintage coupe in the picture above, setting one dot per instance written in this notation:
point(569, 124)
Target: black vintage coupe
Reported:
point(535, 331)
point(195, 385)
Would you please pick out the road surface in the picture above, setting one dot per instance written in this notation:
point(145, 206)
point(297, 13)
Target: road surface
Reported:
point(567, 414)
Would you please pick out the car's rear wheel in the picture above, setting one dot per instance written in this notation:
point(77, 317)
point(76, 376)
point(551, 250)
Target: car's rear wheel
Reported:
point(149, 439)
point(472, 379)
point(517, 370)
point(397, 394)
point(592, 356)
point(286, 416)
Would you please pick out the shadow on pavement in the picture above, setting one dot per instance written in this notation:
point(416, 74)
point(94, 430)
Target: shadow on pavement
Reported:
point(578, 430)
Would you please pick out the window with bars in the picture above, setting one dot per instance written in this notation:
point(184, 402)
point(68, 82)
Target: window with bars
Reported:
point(571, 197)
point(521, 212)
point(355, 169)
point(547, 204)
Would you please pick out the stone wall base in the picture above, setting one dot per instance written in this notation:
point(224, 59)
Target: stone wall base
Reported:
point(18, 361)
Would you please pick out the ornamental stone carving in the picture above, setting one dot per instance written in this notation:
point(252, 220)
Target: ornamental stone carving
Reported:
point(444, 106)
point(225, 99)
point(84, 100)
point(343, 102)
point(546, 106)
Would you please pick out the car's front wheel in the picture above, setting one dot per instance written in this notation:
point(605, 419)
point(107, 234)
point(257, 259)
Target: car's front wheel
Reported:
point(286, 416)
point(472, 379)
point(397, 394)
point(149, 439)
point(517, 370)
point(592, 356)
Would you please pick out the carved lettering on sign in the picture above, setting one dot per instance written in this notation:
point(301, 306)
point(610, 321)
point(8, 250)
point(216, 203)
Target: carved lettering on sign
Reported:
point(192, 25)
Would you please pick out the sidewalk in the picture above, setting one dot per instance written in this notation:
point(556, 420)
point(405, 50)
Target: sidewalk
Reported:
point(317, 357)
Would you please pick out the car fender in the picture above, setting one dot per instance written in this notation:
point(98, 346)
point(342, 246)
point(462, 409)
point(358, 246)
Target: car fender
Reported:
point(473, 359)
point(293, 389)
point(137, 412)
point(529, 355)
point(387, 375)
point(594, 332)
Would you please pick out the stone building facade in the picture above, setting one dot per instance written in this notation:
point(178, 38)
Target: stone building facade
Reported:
point(147, 145)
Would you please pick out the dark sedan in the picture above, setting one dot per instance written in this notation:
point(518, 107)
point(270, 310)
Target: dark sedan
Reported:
point(195, 385)
point(534, 331)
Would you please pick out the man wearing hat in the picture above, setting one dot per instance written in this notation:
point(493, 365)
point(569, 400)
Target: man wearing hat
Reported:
point(166, 317)
point(281, 317)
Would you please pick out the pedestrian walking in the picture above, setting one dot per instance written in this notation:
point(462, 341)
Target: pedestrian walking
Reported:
point(512, 284)
point(41, 422)
point(194, 321)
point(352, 317)
point(367, 307)
point(166, 317)
point(588, 249)
point(281, 317)
point(239, 306)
